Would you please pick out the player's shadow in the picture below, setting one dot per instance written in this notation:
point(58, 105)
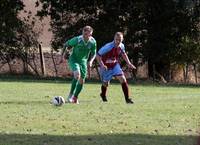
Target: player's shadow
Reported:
point(110, 139)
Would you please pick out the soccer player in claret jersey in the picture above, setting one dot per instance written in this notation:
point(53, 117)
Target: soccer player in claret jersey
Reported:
point(82, 46)
point(108, 59)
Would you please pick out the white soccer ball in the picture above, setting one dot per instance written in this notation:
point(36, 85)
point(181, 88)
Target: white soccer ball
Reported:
point(58, 101)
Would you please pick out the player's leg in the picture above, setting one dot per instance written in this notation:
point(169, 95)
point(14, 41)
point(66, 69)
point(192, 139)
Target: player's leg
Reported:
point(106, 76)
point(79, 87)
point(125, 88)
point(104, 87)
point(118, 73)
point(76, 76)
point(81, 81)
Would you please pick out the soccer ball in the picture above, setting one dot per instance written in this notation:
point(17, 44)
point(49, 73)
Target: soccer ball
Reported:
point(58, 101)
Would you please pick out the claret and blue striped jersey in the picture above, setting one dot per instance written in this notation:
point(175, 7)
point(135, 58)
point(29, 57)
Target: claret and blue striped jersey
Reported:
point(110, 54)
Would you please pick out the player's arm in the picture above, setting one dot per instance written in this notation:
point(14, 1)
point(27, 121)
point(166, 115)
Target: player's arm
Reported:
point(103, 50)
point(93, 54)
point(100, 62)
point(67, 46)
point(62, 58)
point(125, 57)
point(64, 51)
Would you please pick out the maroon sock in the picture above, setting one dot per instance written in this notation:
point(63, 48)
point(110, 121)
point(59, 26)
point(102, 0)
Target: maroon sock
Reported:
point(103, 90)
point(125, 90)
point(198, 142)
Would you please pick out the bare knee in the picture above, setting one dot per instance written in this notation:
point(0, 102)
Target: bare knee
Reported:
point(77, 75)
point(105, 84)
point(122, 79)
point(81, 80)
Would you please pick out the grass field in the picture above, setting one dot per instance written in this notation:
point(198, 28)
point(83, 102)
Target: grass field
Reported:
point(161, 115)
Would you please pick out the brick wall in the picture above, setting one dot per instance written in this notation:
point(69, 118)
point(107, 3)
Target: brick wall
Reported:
point(18, 68)
point(63, 69)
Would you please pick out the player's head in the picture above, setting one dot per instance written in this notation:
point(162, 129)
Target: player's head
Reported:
point(118, 38)
point(87, 32)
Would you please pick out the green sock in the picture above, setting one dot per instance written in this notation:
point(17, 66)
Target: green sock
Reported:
point(78, 89)
point(73, 86)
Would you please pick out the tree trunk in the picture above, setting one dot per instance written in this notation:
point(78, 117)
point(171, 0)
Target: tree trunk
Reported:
point(42, 60)
point(25, 66)
point(154, 72)
point(35, 70)
point(25, 63)
point(54, 63)
point(35, 65)
point(161, 77)
point(10, 67)
point(185, 73)
point(170, 73)
point(195, 73)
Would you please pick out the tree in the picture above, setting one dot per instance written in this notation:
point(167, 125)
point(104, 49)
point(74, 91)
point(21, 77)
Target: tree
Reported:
point(153, 29)
point(9, 23)
point(18, 38)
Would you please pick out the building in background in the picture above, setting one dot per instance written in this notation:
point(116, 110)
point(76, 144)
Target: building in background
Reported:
point(43, 26)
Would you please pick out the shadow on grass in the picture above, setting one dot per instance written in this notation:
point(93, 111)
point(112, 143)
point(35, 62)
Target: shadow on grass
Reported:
point(112, 139)
point(33, 79)
point(36, 79)
point(23, 102)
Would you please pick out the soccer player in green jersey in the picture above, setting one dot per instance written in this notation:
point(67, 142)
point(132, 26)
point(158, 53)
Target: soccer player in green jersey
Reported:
point(82, 47)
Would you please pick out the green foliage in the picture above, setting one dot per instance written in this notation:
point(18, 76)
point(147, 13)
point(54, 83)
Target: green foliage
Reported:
point(18, 37)
point(153, 29)
point(186, 45)
point(188, 51)
point(9, 23)
point(107, 17)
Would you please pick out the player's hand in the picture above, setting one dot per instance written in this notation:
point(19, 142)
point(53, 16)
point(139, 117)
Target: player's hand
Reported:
point(90, 64)
point(131, 66)
point(104, 67)
point(89, 68)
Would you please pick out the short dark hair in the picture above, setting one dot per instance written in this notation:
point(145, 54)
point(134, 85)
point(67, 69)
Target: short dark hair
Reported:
point(119, 33)
point(88, 28)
